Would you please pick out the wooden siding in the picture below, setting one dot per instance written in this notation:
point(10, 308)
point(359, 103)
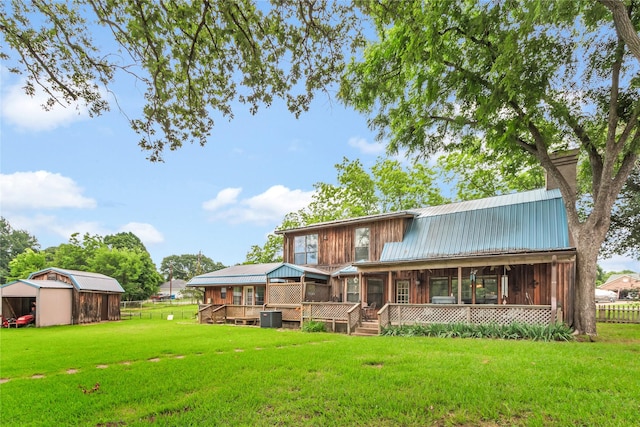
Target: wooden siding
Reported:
point(52, 275)
point(336, 246)
point(92, 307)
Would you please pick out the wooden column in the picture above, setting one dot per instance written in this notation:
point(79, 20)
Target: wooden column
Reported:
point(554, 288)
point(459, 285)
point(390, 288)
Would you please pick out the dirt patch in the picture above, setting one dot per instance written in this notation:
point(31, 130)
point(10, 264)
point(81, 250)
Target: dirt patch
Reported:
point(126, 363)
point(155, 359)
point(180, 356)
point(4, 380)
point(72, 371)
point(37, 376)
point(102, 366)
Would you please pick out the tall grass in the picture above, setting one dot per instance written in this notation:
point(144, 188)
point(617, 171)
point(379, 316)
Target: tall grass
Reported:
point(159, 372)
point(513, 331)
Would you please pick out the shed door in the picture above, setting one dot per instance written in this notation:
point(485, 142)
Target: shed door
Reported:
point(105, 308)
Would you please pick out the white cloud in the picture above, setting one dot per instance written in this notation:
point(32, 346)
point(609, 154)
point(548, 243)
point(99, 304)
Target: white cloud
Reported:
point(145, 232)
point(41, 190)
point(268, 207)
point(26, 112)
point(366, 147)
point(224, 197)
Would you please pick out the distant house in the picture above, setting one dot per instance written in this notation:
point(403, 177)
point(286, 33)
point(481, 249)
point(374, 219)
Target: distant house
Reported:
point(623, 284)
point(499, 260)
point(172, 289)
point(63, 297)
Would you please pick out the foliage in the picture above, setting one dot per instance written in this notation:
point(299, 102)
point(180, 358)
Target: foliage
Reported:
point(195, 60)
point(624, 235)
point(270, 252)
point(12, 243)
point(124, 258)
point(313, 326)
point(186, 266)
point(513, 331)
point(26, 263)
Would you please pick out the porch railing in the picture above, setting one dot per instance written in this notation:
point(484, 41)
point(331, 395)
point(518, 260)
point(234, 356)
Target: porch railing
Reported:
point(398, 314)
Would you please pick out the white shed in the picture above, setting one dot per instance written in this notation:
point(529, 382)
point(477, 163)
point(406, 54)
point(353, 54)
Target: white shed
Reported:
point(54, 301)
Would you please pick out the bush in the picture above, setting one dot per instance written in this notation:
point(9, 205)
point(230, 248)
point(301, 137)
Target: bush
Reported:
point(513, 331)
point(313, 326)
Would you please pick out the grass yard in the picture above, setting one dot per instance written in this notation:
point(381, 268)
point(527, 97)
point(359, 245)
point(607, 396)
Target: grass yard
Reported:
point(179, 373)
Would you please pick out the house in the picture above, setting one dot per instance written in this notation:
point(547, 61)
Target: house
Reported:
point(626, 285)
point(171, 289)
point(63, 297)
point(501, 259)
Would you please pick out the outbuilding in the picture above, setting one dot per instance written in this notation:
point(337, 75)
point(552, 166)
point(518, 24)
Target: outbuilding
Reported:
point(63, 297)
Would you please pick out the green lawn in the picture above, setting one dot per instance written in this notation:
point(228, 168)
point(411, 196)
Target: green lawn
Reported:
point(178, 373)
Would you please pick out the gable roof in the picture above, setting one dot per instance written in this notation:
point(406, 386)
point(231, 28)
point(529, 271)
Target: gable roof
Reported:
point(175, 285)
point(85, 281)
point(622, 281)
point(531, 221)
point(286, 271)
point(246, 274)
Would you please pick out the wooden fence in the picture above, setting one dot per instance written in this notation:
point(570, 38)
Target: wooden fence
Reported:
point(610, 313)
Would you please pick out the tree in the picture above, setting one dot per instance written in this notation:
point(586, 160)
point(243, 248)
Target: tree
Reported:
point(526, 79)
point(270, 252)
point(12, 243)
point(624, 234)
point(187, 266)
point(26, 263)
point(195, 59)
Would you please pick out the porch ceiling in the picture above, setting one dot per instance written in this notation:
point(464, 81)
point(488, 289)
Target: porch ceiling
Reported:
point(475, 261)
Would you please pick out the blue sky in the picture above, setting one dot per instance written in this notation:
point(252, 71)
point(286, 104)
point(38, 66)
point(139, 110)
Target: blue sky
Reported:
point(63, 172)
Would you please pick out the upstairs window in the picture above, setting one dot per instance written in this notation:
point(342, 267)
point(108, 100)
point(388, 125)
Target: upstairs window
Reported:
point(306, 249)
point(362, 244)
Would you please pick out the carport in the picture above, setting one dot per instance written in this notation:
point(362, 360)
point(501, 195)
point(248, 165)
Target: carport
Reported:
point(53, 301)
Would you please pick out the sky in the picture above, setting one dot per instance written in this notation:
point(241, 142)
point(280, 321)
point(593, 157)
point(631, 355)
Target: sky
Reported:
point(62, 172)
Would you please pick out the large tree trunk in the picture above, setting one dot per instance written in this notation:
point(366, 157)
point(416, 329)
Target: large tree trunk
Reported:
point(588, 239)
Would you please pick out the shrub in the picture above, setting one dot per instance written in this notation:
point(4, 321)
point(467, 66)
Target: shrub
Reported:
point(313, 326)
point(513, 331)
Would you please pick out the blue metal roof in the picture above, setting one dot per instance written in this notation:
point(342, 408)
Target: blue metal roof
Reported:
point(515, 223)
point(290, 270)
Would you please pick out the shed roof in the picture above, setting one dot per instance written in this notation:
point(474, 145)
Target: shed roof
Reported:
point(531, 221)
point(85, 280)
point(287, 270)
point(246, 274)
point(48, 284)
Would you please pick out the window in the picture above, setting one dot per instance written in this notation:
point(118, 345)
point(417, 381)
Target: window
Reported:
point(402, 292)
point(237, 295)
point(260, 295)
point(353, 289)
point(306, 249)
point(439, 287)
point(362, 244)
point(223, 293)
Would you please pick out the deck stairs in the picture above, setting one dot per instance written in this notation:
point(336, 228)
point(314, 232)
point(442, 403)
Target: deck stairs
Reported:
point(367, 329)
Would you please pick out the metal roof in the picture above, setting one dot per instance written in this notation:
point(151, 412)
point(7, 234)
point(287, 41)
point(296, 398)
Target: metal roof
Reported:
point(246, 274)
point(347, 270)
point(86, 281)
point(50, 284)
point(349, 221)
point(523, 222)
point(290, 270)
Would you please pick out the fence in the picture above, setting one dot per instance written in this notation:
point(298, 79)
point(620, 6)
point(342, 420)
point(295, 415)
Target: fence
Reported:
point(181, 314)
point(618, 313)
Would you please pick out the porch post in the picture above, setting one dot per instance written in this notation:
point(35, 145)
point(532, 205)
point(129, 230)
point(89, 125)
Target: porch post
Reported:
point(266, 292)
point(459, 285)
point(303, 286)
point(554, 288)
point(361, 284)
point(390, 289)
